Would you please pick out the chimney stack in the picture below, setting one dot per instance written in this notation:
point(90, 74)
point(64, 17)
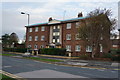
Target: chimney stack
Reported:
point(80, 14)
point(50, 19)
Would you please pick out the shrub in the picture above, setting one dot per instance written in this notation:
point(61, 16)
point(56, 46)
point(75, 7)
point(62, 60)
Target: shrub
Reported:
point(53, 51)
point(85, 56)
point(114, 55)
point(21, 50)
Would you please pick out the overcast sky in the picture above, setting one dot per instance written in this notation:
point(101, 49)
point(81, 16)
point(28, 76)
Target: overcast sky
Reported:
point(13, 21)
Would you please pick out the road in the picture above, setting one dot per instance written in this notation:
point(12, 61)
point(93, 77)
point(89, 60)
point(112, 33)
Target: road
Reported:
point(34, 69)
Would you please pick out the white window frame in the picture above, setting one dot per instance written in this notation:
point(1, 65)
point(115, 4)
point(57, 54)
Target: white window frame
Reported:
point(36, 38)
point(77, 24)
point(88, 48)
point(36, 29)
point(68, 36)
point(35, 46)
point(56, 33)
point(29, 46)
point(42, 46)
point(78, 48)
point(30, 38)
point(76, 37)
point(43, 28)
point(68, 47)
point(101, 48)
point(42, 38)
point(68, 26)
point(30, 29)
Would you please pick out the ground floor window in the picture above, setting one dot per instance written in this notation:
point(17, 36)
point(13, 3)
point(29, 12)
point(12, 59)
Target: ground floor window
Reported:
point(101, 48)
point(42, 46)
point(29, 46)
point(68, 48)
point(88, 48)
point(35, 46)
point(77, 48)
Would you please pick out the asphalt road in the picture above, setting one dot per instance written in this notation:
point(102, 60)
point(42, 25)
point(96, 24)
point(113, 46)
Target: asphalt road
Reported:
point(35, 69)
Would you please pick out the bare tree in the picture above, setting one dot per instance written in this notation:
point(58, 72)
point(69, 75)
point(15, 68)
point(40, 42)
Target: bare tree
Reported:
point(95, 30)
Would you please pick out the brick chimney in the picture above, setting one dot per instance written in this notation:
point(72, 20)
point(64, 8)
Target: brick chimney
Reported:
point(50, 19)
point(80, 14)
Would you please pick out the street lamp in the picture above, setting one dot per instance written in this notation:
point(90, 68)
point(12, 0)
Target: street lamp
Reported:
point(28, 19)
point(28, 16)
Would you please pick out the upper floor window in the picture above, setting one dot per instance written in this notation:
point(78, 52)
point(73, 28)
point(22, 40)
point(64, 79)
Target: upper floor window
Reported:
point(36, 38)
point(36, 29)
point(77, 48)
point(30, 38)
point(77, 37)
point(56, 33)
point(68, 36)
point(77, 24)
point(42, 38)
point(68, 26)
point(89, 49)
point(30, 29)
point(42, 28)
point(68, 48)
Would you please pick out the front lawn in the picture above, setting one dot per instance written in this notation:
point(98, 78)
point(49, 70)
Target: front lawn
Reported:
point(43, 59)
point(4, 77)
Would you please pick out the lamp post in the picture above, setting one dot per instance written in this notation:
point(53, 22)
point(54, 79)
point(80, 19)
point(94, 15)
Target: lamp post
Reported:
point(28, 17)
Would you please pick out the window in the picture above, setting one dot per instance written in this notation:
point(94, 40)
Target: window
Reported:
point(43, 28)
point(42, 38)
point(35, 46)
point(68, 36)
point(53, 40)
point(115, 45)
point(89, 49)
point(68, 25)
point(77, 48)
point(36, 38)
point(77, 37)
point(29, 46)
point(30, 38)
point(101, 48)
point(58, 40)
point(56, 33)
point(77, 24)
point(68, 48)
point(30, 29)
point(36, 29)
point(42, 46)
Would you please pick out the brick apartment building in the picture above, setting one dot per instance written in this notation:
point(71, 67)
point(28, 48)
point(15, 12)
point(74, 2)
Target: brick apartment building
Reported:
point(54, 33)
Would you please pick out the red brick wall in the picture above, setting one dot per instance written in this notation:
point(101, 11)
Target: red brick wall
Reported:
point(39, 34)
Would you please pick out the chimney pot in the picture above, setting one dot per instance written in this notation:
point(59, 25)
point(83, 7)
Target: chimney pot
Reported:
point(50, 19)
point(80, 14)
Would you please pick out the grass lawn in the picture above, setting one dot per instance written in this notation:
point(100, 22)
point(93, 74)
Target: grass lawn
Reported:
point(35, 58)
point(7, 54)
point(4, 77)
point(42, 59)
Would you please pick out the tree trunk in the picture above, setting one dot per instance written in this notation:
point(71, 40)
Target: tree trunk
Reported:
point(93, 52)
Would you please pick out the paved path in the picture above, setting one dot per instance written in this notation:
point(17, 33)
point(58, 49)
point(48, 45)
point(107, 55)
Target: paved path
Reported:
point(32, 69)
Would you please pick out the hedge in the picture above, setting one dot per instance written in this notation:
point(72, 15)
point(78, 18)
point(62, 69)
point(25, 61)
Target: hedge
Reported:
point(114, 55)
point(53, 51)
point(21, 50)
